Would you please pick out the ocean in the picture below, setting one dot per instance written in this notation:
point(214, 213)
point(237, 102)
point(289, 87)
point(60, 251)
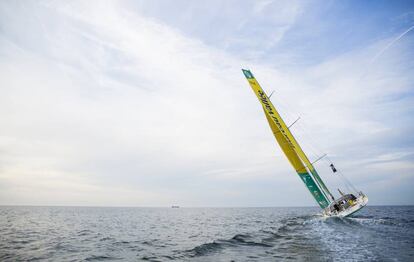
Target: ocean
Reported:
point(377, 233)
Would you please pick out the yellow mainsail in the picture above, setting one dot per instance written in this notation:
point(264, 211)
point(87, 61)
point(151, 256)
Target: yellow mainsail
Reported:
point(289, 145)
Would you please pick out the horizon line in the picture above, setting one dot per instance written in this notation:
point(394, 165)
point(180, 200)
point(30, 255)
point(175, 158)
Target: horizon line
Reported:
point(96, 206)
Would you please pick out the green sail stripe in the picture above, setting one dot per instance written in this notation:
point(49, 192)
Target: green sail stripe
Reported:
point(321, 183)
point(314, 189)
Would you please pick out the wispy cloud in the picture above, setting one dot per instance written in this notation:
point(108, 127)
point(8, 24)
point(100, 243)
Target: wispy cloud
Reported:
point(130, 103)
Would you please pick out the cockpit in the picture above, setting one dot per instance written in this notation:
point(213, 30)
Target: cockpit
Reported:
point(342, 203)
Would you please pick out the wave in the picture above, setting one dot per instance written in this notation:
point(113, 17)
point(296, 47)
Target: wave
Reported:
point(265, 238)
point(84, 232)
point(292, 237)
point(220, 244)
point(372, 221)
point(101, 257)
point(205, 249)
point(241, 239)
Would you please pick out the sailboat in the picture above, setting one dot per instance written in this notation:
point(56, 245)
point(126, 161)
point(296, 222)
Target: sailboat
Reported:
point(346, 204)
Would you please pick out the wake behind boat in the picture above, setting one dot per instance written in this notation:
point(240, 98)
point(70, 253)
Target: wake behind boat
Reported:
point(343, 206)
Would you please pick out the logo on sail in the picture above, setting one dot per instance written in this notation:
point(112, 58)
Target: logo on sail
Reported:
point(247, 74)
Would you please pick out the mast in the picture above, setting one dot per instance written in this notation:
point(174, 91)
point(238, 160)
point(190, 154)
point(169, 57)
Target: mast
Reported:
point(290, 146)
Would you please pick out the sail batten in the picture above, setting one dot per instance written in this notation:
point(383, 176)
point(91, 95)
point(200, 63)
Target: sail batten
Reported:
point(290, 146)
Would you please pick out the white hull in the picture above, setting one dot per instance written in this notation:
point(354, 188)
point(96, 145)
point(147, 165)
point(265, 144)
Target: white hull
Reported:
point(361, 201)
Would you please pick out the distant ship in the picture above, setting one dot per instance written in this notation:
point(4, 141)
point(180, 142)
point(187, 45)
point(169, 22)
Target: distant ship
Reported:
point(345, 205)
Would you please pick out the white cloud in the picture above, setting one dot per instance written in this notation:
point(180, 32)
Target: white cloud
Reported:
point(100, 101)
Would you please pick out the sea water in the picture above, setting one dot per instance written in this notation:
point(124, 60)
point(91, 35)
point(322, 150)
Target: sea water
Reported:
point(377, 233)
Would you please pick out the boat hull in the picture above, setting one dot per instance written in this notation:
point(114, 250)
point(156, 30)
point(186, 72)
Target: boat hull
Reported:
point(361, 201)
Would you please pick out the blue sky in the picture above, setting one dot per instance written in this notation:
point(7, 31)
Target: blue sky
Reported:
point(142, 103)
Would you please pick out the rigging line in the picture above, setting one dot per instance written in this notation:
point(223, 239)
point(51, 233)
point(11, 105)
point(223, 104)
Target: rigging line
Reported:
point(288, 112)
point(376, 57)
point(337, 177)
point(343, 178)
point(348, 182)
point(304, 126)
point(303, 134)
point(293, 122)
point(291, 125)
point(306, 167)
point(284, 108)
point(324, 155)
point(315, 151)
point(319, 158)
point(348, 186)
point(315, 154)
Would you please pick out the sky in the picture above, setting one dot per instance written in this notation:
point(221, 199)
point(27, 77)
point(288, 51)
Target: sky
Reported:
point(143, 103)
